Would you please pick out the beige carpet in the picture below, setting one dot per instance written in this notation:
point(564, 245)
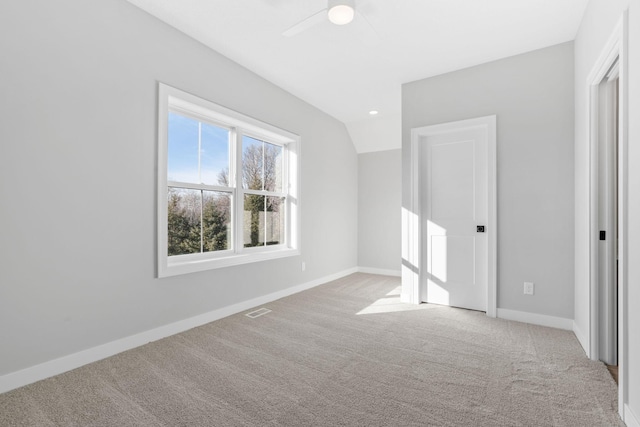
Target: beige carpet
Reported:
point(342, 354)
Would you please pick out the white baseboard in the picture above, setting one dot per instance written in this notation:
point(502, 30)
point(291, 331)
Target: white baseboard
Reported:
point(380, 271)
point(582, 338)
point(48, 369)
point(536, 319)
point(630, 418)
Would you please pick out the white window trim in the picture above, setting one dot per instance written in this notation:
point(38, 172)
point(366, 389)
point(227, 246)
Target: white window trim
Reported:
point(170, 98)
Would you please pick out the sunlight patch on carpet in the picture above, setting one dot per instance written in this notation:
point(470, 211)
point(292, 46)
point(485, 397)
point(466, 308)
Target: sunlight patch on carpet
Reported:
point(390, 304)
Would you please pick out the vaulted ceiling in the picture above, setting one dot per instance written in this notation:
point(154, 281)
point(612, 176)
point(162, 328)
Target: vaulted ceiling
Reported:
point(350, 70)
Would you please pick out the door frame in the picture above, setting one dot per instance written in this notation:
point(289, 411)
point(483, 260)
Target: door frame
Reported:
point(412, 217)
point(615, 49)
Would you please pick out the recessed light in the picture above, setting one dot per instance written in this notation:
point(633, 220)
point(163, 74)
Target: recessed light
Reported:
point(373, 112)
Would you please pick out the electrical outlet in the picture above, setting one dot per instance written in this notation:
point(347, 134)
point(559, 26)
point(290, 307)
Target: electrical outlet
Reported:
point(304, 266)
point(528, 288)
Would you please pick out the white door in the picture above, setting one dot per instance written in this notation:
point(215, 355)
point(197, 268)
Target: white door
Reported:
point(607, 219)
point(455, 223)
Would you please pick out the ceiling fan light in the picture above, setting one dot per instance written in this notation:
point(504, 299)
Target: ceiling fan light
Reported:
point(341, 12)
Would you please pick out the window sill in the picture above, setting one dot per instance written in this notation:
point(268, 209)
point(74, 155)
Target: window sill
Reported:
point(170, 267)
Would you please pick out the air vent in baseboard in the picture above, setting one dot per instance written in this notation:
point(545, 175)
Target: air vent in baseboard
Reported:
point(257, 313)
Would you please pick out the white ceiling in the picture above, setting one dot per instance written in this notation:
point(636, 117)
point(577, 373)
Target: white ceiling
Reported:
point(349, 70)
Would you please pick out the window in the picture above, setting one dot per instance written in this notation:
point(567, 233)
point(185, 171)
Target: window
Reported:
point(227, 187)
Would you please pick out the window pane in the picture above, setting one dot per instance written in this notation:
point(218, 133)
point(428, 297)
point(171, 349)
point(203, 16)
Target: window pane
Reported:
point(184, 221)
point(273, 167)
point(252, 163)
point(182, 161)
point(198, 152)
point(216, 221)
point(261, 165)
point(253, 231)
point(274, 220)
point(214, 155)
point(263, 220)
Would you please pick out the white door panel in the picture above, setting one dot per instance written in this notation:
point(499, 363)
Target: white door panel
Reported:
point(451, 183)
point(454, 194)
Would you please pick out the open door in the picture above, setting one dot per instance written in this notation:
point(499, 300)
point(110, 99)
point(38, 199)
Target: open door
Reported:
point(454, 181)
point(607, 217)
point(450, 227)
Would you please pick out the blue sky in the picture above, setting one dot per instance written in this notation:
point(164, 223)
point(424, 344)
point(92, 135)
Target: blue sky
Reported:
point(183, 150)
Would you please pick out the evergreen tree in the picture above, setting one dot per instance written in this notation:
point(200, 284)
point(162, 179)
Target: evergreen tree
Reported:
point(183, 223)
point(178, 225)
point(215, 219)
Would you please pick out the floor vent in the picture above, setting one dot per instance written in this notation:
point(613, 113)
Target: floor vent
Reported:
point(257, 313)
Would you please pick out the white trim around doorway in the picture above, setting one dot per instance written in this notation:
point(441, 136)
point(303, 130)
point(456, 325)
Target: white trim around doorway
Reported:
point(411, 216)
point(615, 50)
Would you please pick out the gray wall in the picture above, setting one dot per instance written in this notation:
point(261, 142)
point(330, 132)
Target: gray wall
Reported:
point(78, 109)
point(599, 22)
point(379, 201)
point(532, 96)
